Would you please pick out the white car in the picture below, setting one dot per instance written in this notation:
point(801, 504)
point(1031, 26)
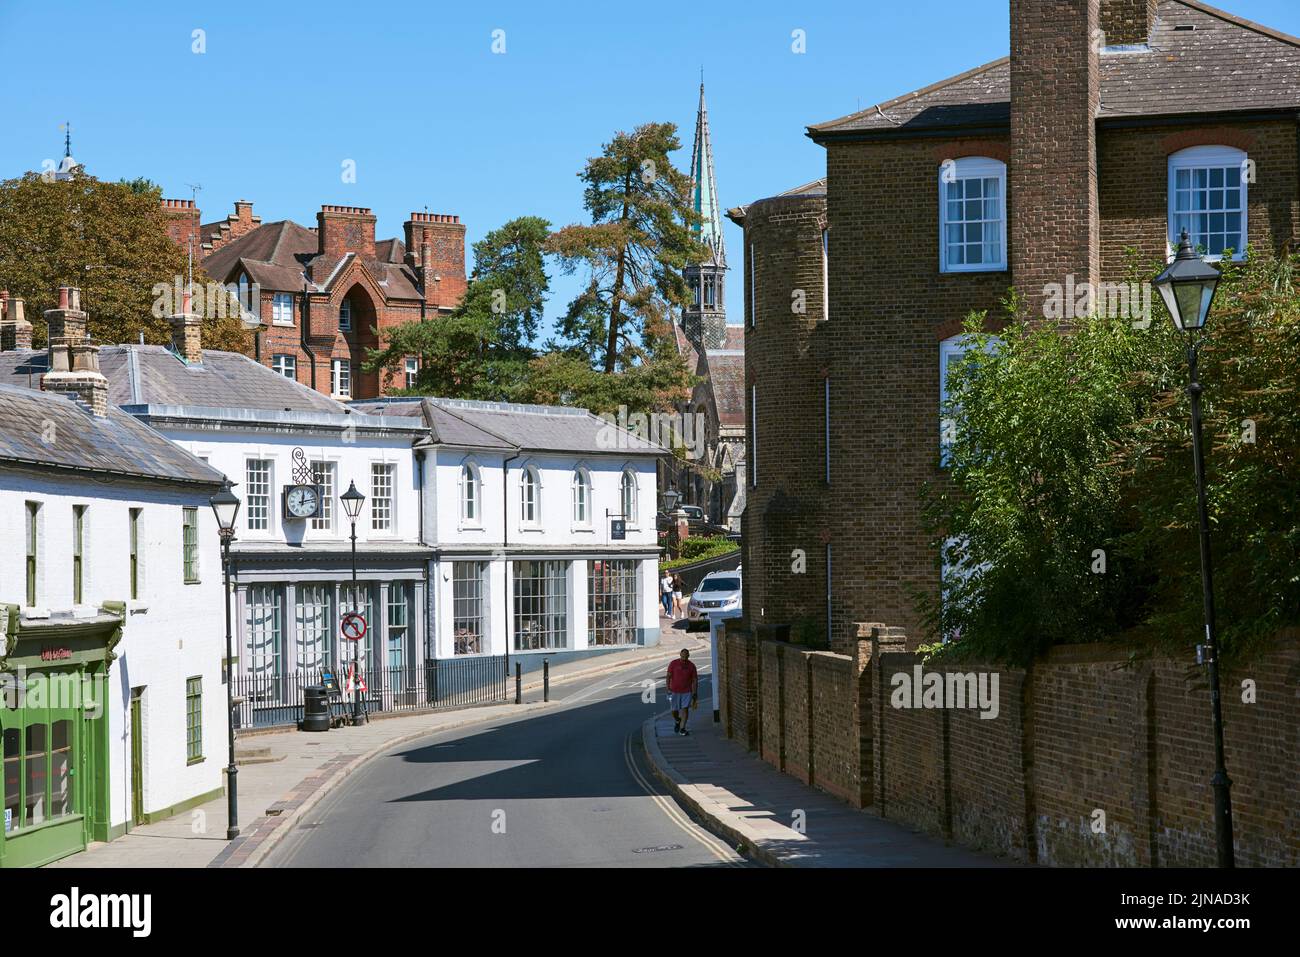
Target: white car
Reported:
point(717, 591)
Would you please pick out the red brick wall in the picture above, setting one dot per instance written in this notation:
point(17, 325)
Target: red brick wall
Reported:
point(1083, 730)
point(739, 675)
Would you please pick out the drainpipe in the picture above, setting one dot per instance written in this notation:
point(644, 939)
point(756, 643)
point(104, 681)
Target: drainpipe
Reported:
point(505, 540)
point(311, 356)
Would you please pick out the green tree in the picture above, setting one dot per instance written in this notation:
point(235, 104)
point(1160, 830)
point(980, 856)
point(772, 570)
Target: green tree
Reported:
point(1068, 513)
point(110, 239)
point(635, 248)
point(482, 349)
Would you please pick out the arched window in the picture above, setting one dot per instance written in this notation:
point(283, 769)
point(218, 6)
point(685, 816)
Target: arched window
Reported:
point(529, 496)
point(1207, 197)
point(581, 498)
point(627, 497)
point(469, 495)
point(972, 215)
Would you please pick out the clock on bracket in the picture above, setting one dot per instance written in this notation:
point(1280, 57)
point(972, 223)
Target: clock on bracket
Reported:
point(302, 501)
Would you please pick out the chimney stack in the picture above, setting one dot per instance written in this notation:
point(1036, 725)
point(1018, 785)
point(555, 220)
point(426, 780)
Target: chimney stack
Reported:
point(187, 333)
point(345, 229)
point(1052, 183)
point(440, 267)
point(73, 358)
point(15, 330)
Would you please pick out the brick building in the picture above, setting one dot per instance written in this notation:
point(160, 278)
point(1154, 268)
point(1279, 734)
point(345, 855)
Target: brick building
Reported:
point(324, 295)
point(1113, 125)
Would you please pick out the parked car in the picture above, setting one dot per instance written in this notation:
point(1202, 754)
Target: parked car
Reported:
point(717, 591)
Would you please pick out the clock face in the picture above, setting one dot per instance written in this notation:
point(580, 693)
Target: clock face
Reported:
point(303, 501)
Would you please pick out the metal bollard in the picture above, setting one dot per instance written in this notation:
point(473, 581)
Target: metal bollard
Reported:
point(519, 683)
point(546, 679)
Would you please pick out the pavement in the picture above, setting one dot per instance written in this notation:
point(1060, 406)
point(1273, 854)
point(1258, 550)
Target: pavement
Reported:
point(774, 818)
point(301, 769)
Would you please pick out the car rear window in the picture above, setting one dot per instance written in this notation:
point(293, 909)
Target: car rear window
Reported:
point(720, 584)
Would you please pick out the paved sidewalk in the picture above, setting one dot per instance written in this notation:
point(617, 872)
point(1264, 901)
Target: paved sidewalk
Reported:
point(752, 804)
point(276, 794)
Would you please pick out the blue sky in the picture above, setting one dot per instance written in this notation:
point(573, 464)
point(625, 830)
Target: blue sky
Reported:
point(413, 93)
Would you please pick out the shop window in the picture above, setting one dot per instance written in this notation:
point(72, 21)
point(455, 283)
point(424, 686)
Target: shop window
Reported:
point(35, 764)
point(611, 602)
point(541, 605)
point(469, 624)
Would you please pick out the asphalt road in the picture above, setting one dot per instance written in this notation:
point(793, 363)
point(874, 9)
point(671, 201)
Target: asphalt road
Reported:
point(564, 788)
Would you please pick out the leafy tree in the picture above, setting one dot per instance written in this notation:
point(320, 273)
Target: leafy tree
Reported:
point(109, 239)
point(482, 349)
point(1068, 513)
point(639, 240)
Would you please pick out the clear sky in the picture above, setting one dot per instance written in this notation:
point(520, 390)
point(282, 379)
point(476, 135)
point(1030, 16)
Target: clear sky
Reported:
point(414, 94)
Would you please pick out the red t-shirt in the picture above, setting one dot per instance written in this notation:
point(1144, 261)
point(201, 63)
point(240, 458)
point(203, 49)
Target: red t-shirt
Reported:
point(681, 676)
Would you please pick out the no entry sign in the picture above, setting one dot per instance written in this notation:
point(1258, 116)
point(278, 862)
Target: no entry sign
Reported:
point(353, 626)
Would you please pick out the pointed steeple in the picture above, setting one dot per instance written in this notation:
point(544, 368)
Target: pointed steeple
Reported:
point(704, 189)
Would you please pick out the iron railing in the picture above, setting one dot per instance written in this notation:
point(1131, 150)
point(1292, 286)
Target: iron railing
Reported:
point(272, 700)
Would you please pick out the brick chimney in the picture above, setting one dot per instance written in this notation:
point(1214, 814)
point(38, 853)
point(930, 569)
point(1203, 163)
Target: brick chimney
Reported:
point(345, 229)
point(15, 330)
point(187, 334)
point(73, 358)
point(1052, 178)
point(440, 262)
point(236, 224)
point(181, 217)
point(1127, 22)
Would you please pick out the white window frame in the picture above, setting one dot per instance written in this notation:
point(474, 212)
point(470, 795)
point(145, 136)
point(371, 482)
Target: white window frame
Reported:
point(412, 369)
point(470, 494)
point(383, 508)
point(530, 477)
point(1203, 157)
point(970, 168)
point(325, 474)
point(285, 365)
point(337, 368)
point(471, 618)
point(345, 316)
point(950, 348)
point(266, 521)
point(630, 510)
point(282, 309)
point(581, 499)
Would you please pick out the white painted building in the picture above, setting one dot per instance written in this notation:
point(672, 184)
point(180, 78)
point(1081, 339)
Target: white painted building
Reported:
point(111, 596)
point(521, 504)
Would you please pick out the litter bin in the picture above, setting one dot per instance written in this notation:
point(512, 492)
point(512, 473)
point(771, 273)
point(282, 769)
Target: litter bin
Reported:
point(315, 709)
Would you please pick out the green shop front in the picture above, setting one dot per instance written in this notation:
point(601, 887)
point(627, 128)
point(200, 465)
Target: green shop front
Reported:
point(54, 718)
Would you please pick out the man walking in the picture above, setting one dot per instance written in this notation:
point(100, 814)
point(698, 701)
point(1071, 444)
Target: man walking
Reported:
point(683, 690)
point(666, 593)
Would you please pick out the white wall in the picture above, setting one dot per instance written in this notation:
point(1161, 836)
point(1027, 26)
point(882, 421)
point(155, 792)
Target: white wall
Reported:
point(229, 450)
point(174, 631)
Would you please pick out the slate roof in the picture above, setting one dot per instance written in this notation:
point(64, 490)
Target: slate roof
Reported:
point(282, 256)
point(116, 444)
point(154, 375)
point(727, 376)
point(504, 425)
point(1224, 63)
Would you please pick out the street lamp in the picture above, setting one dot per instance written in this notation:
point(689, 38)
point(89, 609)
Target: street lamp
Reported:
point(352, 500)
point(671, 498)
point(1187, 286)
point(225, 506)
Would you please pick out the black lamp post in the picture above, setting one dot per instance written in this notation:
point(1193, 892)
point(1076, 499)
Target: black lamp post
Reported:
point(1187, 286)
point(226, 507)
point(352, 500)
point(671, 497)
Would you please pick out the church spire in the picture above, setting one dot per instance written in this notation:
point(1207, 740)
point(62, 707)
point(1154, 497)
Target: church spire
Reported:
point(704, 189)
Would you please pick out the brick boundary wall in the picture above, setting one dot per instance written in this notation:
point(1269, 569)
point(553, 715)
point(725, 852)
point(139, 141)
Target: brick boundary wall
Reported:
point(1081, 731)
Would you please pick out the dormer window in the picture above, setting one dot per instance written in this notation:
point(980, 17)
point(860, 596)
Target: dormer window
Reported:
point(345, 316)
point(972, 215)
